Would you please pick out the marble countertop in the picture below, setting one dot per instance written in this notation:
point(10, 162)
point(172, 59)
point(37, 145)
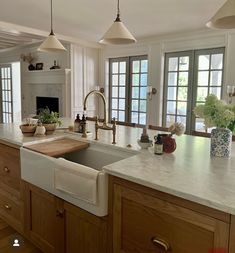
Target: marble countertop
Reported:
point(189, 172)
point(125, 135)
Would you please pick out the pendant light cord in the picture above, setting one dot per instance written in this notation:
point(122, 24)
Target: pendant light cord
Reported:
point(52, 32)
point(118, 12)
point(118, 8)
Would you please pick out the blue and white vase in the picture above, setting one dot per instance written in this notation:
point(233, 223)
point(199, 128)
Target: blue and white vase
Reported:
point(221, 142)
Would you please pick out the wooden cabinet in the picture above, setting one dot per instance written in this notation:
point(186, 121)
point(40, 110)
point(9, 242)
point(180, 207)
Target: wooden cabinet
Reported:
point(85, 233)
point(11, 204)
point(44, 219)
point(149, 221)
point(56, 226)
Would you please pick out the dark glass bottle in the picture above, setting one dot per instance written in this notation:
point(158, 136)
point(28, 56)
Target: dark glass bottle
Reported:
point(82, 124)
point(77, 123)
point(158, 146)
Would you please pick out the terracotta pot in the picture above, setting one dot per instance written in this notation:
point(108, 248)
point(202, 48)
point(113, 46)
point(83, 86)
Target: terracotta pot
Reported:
point(28, 130)
point(50, 128)
point(169, 144)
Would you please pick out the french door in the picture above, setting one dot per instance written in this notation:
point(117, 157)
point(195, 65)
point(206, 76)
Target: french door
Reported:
point(6, 100)
point(190, 77)
point(128, 89)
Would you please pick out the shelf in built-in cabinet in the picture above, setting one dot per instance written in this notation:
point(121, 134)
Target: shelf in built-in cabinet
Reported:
point(56, 76)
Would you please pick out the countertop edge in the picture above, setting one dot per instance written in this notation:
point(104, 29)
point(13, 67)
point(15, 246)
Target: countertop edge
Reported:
point(173, 192)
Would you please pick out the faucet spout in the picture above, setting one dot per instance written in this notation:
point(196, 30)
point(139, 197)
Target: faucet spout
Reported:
point(104, 126)
point(103, 99)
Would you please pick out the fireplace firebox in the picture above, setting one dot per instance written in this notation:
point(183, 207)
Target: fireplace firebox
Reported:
point(51, 102)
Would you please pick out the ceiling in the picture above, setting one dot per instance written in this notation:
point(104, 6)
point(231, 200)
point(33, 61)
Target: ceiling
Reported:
point(89, 19)
point(10, 38)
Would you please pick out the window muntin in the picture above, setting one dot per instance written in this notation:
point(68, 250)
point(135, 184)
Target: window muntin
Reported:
point(128, 89)
point(118, 89)
point(139, 77)
point(176, 88)
point(209, 65)
point(6, 94)
point(190, 77)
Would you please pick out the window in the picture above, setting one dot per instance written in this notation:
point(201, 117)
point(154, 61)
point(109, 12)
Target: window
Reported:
point(128, 89)
point(6, 115)
point(209, 65)
point(189, 77)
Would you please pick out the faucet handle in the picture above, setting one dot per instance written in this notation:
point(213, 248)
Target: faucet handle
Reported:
point(114, 130)
point(114, 121)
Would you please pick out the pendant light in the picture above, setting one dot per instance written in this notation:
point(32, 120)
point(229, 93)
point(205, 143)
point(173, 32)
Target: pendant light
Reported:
point(225, 17)
point(51, 43)
point(118, 33)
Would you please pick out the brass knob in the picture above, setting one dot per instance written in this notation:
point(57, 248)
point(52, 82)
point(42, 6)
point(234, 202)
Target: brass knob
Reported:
point(8, 207)
point(6, 169)
point(160, 242)
point(60, 213)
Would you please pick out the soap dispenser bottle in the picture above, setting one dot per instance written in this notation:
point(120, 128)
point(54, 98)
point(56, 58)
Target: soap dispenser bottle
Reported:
point(77, 123)
point(83, 126)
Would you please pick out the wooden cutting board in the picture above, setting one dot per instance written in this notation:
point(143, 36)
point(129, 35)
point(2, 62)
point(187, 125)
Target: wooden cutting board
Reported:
point(59, 147)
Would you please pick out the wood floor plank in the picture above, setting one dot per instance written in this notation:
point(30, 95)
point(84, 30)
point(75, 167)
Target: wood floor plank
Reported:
point(7, 236)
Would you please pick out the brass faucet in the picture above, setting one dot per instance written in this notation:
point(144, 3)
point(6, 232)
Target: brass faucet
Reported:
point(104, 126)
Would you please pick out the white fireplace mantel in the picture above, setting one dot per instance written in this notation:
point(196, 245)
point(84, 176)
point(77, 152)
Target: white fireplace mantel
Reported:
point(48, 83)
point(56, 76)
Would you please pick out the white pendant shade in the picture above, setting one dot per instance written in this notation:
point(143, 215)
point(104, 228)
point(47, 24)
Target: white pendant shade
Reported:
point(51, 44)
point(225, 17)
point(118, 34)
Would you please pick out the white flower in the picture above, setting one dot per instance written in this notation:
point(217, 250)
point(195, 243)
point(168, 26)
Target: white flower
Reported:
point(177, 128)
point(215, 112)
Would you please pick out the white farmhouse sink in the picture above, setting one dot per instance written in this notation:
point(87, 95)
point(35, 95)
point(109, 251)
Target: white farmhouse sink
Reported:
point(38, 169)
point(97, 156)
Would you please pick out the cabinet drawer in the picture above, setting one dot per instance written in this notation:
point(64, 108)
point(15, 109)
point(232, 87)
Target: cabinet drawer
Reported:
point(10, 166)
point(143, 223)
point(11, 210)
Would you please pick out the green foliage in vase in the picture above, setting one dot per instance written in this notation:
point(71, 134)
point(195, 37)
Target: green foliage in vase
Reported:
point(216, 113)
point(47, 117)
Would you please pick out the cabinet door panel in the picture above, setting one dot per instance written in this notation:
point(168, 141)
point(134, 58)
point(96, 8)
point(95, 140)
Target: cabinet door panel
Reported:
point(85, 233)
point(143, 223)
point(10, 166)
point(45, 221)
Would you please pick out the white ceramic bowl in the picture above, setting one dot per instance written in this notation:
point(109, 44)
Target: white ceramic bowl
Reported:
point(145, 145)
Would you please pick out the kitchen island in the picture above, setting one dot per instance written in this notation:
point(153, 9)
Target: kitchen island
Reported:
point(187, 185)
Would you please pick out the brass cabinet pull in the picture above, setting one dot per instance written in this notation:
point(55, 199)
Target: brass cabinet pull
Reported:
point(160, 242)
point(60, 213)
point(6, 169)
point(8, 207)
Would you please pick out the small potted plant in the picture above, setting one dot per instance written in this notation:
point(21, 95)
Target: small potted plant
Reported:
point(49, 119)
point(28, 128)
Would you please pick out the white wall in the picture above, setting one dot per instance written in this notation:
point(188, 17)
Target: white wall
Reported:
point(27, 100)
point(156, 49)
point(85, 65)
point(51, 85)
point(90, 66)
